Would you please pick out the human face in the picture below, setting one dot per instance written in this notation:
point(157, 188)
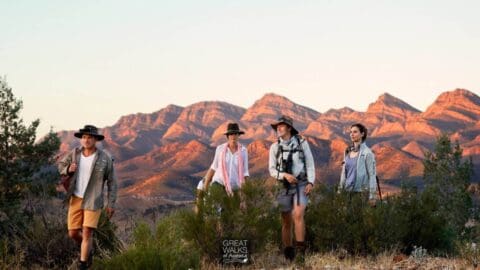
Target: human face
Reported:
point(355, 135)
point(233, 138)
point(88, 141)
point(284, 130)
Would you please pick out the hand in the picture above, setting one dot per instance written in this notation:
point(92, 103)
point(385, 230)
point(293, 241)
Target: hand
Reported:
point(72, 168)
point(308, 188)
point(110, 212)
point(290, 178)
point(243, 206)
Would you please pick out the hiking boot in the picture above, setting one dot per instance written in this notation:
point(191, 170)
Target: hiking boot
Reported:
point(289, 253)
point(82, 265)
point(90, 258)
point(300, 251)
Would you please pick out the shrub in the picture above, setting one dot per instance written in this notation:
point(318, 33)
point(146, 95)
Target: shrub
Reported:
point(339, 221)
point(249, 215)
point(447, 178)
point(164, 249)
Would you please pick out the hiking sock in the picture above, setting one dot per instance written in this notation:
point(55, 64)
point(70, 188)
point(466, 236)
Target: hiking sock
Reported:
point(289, 253)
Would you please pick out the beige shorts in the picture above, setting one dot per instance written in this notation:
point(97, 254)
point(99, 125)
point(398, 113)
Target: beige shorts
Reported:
point(79, 218)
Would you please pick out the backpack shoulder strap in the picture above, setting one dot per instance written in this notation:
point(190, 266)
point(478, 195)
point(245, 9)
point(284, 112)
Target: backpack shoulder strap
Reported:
point(300, 139)
point(279, 150)
point(74, 155)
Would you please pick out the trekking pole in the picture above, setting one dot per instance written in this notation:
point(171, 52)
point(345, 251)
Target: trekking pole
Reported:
point(379, 190)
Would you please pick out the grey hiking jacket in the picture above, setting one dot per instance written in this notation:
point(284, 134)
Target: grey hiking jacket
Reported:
point(366, 180)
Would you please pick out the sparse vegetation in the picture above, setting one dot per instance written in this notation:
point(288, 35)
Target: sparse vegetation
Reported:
point(427, 226)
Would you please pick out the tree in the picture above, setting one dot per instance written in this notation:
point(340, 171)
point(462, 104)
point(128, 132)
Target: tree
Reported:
point(22, 160)
point(447, 177)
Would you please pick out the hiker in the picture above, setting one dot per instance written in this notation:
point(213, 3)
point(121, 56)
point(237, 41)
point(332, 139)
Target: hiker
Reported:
point(291, 163)
point(229, 169)
point(90, 168)
point(358, 175)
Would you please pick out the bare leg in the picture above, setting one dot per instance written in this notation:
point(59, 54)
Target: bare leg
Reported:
point(86, 243)
point(299, 222)
point(75, 235)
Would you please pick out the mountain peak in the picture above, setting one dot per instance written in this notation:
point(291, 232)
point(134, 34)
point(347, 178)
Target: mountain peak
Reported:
point(271, 106)
point(387, 100)
point(170, 107)
point(459, 96)
point(460, 105)
point(160, 118)
point(206, 111)
point(386, 96)
point(272, 97)
point(390, 107)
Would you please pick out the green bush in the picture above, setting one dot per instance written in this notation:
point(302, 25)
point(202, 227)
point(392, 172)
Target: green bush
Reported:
point(164, 249)
point(447, 178)
point(249, 215)
point(339, 221)
point(433, 219)
point(45, 242)
point(106, 241)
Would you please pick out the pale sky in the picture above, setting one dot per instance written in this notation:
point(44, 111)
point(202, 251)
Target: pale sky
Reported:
point(79, 62)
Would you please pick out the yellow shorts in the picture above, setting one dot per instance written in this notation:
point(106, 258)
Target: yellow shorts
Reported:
point(79, 218)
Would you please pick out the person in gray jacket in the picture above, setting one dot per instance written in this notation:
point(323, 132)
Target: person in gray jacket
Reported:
point(90, 169)
point(359, 171)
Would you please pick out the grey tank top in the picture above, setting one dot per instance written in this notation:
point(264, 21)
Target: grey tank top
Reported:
point(350, 172)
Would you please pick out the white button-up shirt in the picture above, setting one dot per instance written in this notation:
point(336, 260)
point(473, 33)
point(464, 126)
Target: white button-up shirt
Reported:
point(231, 163)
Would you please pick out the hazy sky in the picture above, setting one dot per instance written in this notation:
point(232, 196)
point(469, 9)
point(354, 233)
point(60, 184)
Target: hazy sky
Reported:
point(78, 62)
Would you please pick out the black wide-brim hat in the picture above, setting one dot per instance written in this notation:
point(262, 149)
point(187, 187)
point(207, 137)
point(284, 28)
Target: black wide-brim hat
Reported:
point(233, 128)
point(89, 130)
point(287, 121)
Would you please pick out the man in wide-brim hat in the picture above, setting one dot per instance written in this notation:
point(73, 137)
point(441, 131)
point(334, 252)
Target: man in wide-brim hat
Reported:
point(89, 130)
point(291, 163)
point(90, 169)
point(229, 168)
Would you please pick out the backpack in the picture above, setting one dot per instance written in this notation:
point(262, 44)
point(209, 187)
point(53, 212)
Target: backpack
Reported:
point(286, 165)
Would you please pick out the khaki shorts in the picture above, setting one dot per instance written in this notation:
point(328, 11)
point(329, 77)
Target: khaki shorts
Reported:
point(79, 218)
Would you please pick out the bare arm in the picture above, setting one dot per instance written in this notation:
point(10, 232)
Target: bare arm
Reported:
point(208, 179)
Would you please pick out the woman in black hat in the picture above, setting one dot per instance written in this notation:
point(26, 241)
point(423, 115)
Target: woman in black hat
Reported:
point(229, 168)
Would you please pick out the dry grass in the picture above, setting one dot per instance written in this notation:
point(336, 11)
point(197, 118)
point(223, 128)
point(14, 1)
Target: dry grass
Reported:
point(335, 260)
